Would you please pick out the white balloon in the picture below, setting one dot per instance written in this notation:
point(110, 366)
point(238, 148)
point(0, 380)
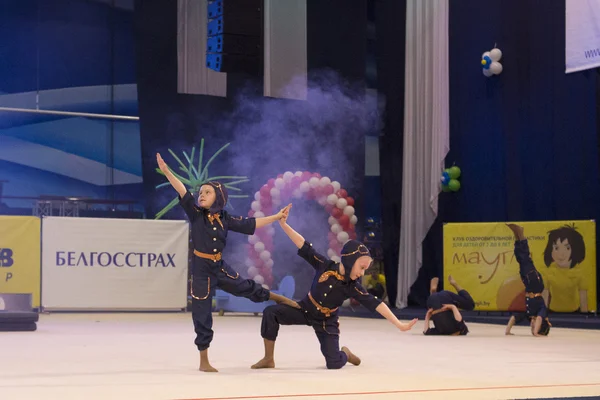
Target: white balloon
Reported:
point(353, 220)
point(487, 53)
point(257, 196)
point(269, 264)
point(332, 221)
point(313, 182)
point(322, 200)
point(259, 279)
point(331, 253)
point(332, 199)
point(259, 247)
point(253, 239)
point(265, 255)
point(297, 193)
point(336, 259)
point(487, 73)
point(265, 286)
point(343, 237)
point(336, 186)
point(255, 206)
point(325, 181)
point(341, 203)
point(336, 228)
point(252, 272)
point(496, 68)
point(349, 211)
point(495, 54)
point(259, 214)
point(298, 173)
point(304, 187)
point(287, 176)
point(275, 193)
point(279, 183)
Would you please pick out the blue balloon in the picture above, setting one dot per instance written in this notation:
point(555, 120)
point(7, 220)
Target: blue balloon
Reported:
point(445, 178)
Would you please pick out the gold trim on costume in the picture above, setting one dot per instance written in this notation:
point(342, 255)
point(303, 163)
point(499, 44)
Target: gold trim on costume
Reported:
point(325, 329)
point(324, 310)
point(363, 293)
point(359, 250)
point(327, 274)
point(214, 257)
point(229, 276)
point(192, 289)
point(212, 217)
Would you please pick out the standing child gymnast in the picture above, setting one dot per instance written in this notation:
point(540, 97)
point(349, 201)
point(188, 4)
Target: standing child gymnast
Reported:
point(210, 225)
point(333, 283)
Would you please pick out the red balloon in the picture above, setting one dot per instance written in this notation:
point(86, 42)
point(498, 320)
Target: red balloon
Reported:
point(295, 182)
point(318, 191)
point(310, 195)
point(265, 191)
point(333, 244)
point(352, 235)
point(317, 175)
point(336, 212)
point(327, 190)
point(342, 193)
point(350, 201)
point(344, 220)
point(271, 183)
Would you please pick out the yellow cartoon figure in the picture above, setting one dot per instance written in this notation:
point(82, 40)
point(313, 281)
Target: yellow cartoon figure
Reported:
point(566, 285)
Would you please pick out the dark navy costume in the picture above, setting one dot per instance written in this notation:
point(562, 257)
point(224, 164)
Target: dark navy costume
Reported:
point(534, 284)
point(444, 322)
point(319, 308)
point(209, 236)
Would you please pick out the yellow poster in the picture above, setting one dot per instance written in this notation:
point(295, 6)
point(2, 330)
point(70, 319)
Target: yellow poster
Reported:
point(20, 256)
point(480, 256)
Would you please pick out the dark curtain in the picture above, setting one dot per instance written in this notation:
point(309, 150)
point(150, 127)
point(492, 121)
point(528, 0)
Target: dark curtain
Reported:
point(390, 22)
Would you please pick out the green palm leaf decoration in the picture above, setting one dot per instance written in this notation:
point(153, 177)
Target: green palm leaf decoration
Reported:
point(193, 177)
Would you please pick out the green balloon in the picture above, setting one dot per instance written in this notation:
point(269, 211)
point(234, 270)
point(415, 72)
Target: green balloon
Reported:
point(454, 172)
point(454, 185)
point(445, 188)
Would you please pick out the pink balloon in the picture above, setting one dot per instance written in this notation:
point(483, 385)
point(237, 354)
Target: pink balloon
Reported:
point(327, 190)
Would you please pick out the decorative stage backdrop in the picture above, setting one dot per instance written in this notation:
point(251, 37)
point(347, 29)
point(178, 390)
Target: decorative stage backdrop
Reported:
point(246, 139)
point(480, 256)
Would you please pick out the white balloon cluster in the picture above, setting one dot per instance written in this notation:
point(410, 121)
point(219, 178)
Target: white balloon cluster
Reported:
point(273, 194)
point(490, 62)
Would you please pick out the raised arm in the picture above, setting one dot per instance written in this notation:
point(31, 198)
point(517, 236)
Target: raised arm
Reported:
point(294, 236)
point(263, 221)
point(175, 182)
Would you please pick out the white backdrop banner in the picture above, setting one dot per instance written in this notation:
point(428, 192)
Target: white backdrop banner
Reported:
point(582, 35)
point(114, 264)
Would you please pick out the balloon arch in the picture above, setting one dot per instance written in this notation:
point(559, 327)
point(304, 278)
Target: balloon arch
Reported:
point(300, 185)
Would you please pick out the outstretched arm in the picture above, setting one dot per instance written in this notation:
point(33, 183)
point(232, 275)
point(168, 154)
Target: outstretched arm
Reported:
point(263, 221)
point(173, 180)
point(385, 311)
point(295, 237)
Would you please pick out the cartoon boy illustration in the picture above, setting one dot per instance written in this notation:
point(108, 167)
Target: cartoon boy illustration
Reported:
point(565, 279)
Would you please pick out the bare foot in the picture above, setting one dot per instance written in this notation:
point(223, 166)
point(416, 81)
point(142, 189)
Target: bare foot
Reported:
point(517, 230)
point(264, 363)
point(452, 280)
point(352, 359)
point(433, 285)
point(207, 368)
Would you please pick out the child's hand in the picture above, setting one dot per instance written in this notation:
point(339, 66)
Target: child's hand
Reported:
point(283, 214)
point(161, 163)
